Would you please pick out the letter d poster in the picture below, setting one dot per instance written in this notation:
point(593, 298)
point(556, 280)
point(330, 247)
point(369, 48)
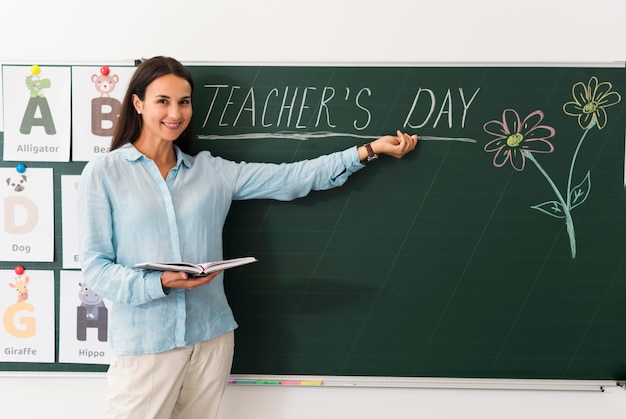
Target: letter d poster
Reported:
point(26, 215)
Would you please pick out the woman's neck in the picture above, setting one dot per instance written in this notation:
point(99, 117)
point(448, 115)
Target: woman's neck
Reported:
point(161, 153)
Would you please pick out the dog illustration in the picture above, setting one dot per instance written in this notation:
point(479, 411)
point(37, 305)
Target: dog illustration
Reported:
point(16, 183)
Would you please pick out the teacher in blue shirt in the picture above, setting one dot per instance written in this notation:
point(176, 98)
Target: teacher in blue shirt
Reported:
point(148, 200)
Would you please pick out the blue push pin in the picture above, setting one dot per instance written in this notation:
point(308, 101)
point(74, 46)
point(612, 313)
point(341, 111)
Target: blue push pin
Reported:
point(21, 168)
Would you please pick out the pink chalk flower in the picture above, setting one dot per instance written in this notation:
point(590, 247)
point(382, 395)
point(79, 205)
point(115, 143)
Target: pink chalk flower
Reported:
point(514, 138)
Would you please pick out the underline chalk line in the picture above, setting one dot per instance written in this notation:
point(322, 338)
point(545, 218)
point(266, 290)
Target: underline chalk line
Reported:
point(305, 136)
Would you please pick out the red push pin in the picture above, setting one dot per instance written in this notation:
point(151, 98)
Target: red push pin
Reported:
point(19, 270)
point(104, 70)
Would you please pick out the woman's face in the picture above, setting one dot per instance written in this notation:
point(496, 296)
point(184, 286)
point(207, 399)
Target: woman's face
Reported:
point(166, 108)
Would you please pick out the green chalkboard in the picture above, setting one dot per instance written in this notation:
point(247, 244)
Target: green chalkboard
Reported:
point(497, 249)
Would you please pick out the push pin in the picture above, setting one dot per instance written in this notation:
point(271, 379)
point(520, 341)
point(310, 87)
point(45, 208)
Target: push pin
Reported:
point(35, 69)
point(104, 70)
point(20, 167)
point(19, 270)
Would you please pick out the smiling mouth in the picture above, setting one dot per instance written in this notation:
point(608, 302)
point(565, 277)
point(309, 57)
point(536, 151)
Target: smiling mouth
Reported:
point(172, 125)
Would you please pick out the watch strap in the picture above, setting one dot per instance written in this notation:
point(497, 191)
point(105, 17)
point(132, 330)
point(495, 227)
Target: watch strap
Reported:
point(370, 152)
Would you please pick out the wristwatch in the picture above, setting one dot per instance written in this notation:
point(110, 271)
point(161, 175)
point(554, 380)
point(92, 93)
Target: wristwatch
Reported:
point(370, 153)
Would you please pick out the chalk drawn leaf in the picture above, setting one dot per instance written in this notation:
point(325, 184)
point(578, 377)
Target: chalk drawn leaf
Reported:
point(580, 192)
point(552, 208)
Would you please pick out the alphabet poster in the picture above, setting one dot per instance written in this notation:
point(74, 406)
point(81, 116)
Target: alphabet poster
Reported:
point(37, 113)
point(27, 307)
point(69, 198)
point(27, 215)
point(97, 94)
point(84, 319)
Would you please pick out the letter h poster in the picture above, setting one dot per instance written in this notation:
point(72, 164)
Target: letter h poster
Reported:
point(83, 322)
point(27, 306)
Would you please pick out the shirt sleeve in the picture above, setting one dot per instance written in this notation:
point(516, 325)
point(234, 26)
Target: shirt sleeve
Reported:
point(288, 181)
point(113, 281)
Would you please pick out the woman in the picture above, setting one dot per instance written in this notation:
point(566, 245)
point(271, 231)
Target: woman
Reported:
point(147, 200)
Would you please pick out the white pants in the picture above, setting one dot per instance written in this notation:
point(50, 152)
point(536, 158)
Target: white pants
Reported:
point(182, 383)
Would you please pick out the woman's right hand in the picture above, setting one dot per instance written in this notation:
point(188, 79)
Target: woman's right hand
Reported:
point(395, 146)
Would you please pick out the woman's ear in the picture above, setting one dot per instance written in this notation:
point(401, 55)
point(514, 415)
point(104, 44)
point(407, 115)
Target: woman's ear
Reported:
point(137, 103)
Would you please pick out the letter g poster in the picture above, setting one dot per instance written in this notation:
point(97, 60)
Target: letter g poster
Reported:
point(27, 308)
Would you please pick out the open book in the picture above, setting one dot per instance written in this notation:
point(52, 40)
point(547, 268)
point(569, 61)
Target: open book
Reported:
point(196, 269)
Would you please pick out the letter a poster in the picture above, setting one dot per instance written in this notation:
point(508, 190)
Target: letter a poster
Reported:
point(37, 113)
point(27, 215)
point(27, 307)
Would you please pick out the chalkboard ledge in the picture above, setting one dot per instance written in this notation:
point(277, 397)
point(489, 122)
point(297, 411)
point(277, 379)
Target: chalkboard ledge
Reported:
point(425, 382)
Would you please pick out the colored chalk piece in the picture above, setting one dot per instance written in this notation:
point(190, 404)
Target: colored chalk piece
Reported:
point(290, 383)
point(245, 382)
point(255, 382)
point(310, 383)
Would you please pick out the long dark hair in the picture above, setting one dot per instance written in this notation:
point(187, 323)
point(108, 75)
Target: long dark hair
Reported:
point(128, 126)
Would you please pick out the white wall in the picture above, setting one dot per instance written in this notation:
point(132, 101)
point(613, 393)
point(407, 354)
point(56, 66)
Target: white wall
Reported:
point(321, 30)
point(327, 31)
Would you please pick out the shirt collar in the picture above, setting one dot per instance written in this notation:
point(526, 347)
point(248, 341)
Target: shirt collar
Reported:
point(184, 157)
point(130, 153)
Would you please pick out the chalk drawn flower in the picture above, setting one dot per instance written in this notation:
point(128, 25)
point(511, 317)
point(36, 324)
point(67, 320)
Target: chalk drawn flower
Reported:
point(590, 101)
point(515, 138)
point(517, 141)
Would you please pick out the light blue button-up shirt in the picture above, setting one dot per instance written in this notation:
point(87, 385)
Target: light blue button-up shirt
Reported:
point(127, 213)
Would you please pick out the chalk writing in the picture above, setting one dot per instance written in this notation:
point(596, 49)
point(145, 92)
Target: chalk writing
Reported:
point(310, 107)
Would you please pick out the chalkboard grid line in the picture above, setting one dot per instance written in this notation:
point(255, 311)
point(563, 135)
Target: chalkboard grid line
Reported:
point(595, 315)
point(304, 292)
